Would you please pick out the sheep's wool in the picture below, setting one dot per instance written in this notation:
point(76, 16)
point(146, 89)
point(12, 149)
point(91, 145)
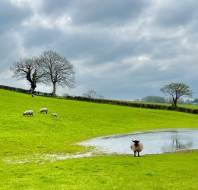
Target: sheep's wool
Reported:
point(137, 148)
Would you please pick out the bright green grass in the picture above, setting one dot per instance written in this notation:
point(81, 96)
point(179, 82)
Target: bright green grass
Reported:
point(193, 106)
point(22, 136)
point(158, 172)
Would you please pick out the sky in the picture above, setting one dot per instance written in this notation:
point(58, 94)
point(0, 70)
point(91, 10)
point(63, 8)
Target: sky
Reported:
point(123, 49)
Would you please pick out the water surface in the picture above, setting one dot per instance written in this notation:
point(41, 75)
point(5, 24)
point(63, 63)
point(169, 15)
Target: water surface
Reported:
point(155, 142)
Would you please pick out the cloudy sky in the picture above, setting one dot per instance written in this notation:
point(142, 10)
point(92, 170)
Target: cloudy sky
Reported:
point(124, 49)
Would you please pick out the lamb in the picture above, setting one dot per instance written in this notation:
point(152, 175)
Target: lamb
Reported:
point(28, 113)
point(54, 115)
point(44, 110)
point(137, 147)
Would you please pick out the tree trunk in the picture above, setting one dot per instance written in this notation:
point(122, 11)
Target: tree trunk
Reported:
point(54, 89)
point(33, 87)
point(175, 102)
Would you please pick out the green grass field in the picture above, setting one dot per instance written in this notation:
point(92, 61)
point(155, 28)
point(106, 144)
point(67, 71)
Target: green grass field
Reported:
point(26, 137)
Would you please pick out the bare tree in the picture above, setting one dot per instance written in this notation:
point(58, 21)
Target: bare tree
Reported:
point(176, 91)
point(57, 70)
point(28, 69)
point(92, 94)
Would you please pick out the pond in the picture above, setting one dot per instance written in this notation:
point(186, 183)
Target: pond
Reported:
point(155, 142)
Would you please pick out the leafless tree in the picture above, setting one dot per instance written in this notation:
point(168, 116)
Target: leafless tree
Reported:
point(30, 70)
point(57, 70)
point(92, 94)
point(176, 91)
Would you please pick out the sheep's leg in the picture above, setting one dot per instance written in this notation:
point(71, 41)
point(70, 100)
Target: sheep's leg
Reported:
point(134, 153)
point(138, 154)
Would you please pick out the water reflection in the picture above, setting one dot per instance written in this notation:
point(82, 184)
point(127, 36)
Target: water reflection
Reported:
point(177, 143)
point(154, 142)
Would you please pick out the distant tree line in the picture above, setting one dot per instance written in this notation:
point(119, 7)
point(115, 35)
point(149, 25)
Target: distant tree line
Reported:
point(48, 68)
point(159, 99)
point(154, 99)
point(195, 101)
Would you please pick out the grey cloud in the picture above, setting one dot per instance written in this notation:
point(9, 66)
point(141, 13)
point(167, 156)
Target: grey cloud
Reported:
point(108, 12)
point(97, 12)
point(177, 13)
point(40, 37)
point(98, 45)
point(11, 16)
point(56, 6)
point(89, 43)
point(10, 50)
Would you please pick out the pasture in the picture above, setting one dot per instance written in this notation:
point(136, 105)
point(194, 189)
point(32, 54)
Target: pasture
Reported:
point(26, 138)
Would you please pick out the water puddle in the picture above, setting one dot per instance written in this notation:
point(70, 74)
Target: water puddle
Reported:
point(155, 142)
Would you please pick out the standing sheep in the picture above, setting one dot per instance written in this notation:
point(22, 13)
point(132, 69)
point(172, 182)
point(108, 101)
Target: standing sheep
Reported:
point(44, 110)
point(137, 147)
point(28, 113)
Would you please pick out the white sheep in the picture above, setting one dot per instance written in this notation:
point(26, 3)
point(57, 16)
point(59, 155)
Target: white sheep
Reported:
point(28, 113)
point(54, 115)
point(44, 110)
point(137, 147)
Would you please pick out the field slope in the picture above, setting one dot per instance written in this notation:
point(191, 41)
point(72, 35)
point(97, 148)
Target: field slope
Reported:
point(22, 137)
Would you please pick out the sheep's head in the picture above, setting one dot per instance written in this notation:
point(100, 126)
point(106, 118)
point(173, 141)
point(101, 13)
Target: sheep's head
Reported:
point(136, 142)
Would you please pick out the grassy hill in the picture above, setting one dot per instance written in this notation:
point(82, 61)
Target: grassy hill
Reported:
point(22, 137)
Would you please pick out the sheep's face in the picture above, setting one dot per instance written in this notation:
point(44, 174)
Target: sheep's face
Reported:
point(136, 142)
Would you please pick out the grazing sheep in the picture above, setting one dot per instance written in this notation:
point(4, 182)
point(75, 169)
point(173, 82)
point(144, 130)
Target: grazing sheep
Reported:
point(137, 147)
point(44, 110)
point(54, 115)
point(28, 113)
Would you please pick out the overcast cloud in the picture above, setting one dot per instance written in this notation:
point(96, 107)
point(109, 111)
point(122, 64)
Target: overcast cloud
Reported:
point(122, 49)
